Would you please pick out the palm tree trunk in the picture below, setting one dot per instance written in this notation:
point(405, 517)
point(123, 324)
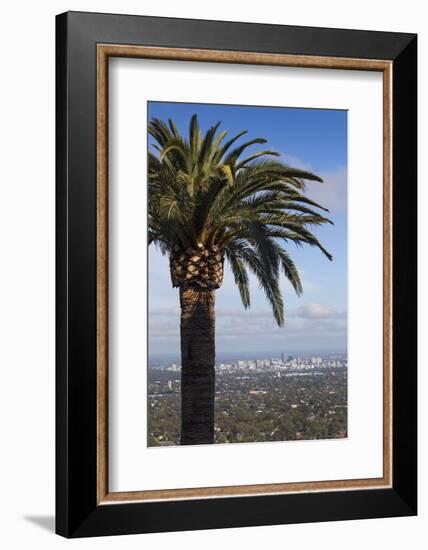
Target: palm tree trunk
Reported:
point(197, 366)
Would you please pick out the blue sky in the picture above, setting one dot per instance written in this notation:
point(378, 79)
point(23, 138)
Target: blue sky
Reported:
point(313, 139)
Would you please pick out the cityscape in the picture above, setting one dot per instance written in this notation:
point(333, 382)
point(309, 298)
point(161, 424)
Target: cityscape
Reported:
point(285, 398)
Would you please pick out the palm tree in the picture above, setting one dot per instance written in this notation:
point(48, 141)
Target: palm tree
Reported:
point(208, 204)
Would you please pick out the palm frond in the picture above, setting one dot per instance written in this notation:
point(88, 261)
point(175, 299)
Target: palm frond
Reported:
point(237, 265)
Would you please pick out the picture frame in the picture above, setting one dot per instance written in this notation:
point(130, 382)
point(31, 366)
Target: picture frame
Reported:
point(84, 44)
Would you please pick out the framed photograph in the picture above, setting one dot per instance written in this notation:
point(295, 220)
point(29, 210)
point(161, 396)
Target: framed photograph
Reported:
point(236, 274)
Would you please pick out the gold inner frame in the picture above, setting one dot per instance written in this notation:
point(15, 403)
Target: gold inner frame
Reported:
point(104, 51)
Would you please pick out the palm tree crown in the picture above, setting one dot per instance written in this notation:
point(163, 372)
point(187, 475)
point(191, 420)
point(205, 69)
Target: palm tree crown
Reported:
point(207, 203)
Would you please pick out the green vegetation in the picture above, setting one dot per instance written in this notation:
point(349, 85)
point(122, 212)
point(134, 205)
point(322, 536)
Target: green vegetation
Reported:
point(257, 406)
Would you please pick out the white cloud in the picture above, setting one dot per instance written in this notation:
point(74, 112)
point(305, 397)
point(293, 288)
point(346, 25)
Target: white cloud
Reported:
point(316, 311)
point(310, 320)
point(296, 162)
point(333, 192)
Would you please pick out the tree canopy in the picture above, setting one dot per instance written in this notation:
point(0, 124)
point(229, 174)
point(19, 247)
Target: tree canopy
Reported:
point(204, 191)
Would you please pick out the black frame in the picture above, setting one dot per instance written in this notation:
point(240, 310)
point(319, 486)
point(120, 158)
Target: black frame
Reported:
point(77, 513)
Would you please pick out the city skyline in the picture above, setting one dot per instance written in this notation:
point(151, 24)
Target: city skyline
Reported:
point(276, 363)
point(249, 356)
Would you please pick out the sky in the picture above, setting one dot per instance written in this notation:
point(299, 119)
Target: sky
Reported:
point(313, 139)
